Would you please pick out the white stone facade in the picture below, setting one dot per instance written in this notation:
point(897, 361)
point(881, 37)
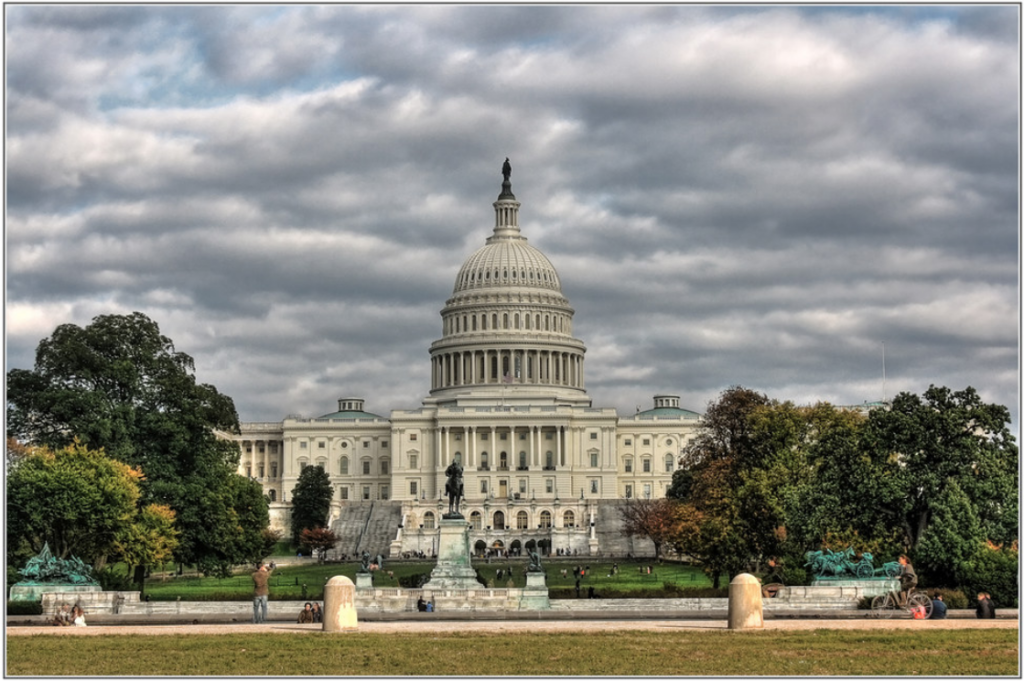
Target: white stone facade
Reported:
point(508, 400)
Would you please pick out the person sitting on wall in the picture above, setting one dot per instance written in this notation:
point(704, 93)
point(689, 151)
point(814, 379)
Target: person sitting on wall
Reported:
point(63, 615)
point(318, 614)
point(938, 608)
point(78, 616)
point(306, 615)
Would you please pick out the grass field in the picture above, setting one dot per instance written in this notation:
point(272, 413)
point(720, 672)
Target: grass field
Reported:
point(286, 582)
point(622, 653)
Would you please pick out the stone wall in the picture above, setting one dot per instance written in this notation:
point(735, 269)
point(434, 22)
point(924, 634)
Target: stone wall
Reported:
point(91, 602)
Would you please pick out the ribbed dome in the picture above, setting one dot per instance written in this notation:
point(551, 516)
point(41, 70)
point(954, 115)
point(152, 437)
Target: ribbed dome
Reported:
point(505, 262)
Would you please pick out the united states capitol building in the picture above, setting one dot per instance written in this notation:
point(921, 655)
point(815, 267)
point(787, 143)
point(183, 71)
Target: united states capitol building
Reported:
point(542, 466)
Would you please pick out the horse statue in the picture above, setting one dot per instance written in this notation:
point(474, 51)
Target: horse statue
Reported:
point(454, 489)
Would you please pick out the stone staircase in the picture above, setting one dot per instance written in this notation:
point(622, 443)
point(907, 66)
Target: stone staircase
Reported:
point(608, 530)
point(380, 529)
point(349, 526)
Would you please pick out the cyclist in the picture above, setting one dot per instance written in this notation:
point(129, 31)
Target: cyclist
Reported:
point(908, 579)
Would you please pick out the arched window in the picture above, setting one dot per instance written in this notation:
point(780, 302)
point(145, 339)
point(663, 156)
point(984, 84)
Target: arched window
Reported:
point(273, 496)
point(568, 519)
point(522, 520)
point(344, 466)
point(475, 520)
point(499, 520)
point(669, 461)
point(428, 521)
point(545, 519)
point(503, 460)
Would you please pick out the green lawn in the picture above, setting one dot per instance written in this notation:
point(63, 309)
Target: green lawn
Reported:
point(286, 582)
point(622, 653)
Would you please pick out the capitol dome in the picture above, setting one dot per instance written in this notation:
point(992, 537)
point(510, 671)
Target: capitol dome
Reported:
point(507, 323)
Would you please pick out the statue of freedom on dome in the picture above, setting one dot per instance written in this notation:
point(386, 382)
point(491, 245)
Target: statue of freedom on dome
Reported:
point(506, 169)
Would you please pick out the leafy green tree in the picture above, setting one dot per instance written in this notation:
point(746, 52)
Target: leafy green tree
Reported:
point(712, 527)
point(952, 540)
point(118, 384)
point(76, 499)
point(311, 501)
point(923, 445)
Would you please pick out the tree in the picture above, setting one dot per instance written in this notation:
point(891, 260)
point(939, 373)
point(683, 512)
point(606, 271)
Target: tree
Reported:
point(319, 540)
point(119, 385)
point(77, 500)
point(922, 446)
point(655, 519)
point(148, 541)
point(712, 528)
point(311, 501)
point(270, 537)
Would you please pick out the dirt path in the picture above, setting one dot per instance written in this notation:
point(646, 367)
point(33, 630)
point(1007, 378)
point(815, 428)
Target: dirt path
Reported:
point(517, 626)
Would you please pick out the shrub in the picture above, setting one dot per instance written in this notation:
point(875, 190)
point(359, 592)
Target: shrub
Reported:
point(667, 591)
point(955, 599)
point(416, 580)
point(994, 570)
point(113, 581)
point(24, 608)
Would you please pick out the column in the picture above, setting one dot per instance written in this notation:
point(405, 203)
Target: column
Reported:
point(266, 462)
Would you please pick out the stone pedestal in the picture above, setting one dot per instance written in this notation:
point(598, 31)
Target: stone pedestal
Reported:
point(453, 570)
point(866, 587)
point(340, 605)
point(535, 594)
point(35, 592)
point(746, 609)
point(91, 601)
point(364, 581)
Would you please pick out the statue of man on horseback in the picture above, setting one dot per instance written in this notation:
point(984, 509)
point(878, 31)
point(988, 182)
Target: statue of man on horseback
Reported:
point(453, 489)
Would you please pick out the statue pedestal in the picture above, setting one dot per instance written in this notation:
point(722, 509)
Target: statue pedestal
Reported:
point(453, 570)
point(35, 592)
point(535, 594)
point(364, 581)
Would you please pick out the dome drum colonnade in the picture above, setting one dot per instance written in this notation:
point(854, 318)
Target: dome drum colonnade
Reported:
point(507, 321)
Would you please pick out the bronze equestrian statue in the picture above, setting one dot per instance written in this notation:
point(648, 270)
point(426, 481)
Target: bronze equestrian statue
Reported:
point(453, 489)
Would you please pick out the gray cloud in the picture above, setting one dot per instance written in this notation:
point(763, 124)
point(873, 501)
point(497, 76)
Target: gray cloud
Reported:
point(758, 196)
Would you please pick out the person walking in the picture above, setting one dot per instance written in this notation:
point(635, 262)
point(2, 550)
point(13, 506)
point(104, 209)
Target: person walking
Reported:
point(261, 590)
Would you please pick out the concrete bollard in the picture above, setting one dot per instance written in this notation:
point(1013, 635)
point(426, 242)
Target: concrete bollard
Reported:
point(745, 607)
point(340, 605)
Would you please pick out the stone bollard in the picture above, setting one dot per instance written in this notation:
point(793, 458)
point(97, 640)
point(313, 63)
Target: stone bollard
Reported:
point(340, 605)
point(745, 607)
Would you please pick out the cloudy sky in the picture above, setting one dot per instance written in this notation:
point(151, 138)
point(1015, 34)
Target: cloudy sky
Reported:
point(758, 196)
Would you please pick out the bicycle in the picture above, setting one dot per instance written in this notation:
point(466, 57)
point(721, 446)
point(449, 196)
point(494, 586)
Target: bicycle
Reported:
point(886, 605)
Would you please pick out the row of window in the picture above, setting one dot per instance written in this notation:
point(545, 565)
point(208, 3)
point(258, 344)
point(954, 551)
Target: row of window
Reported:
point(322, 445)
point(466, 323)
point(485, 464)
point(497, 520)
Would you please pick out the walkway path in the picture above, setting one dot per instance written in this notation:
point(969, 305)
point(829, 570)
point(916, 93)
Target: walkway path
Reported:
point(519, 626)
